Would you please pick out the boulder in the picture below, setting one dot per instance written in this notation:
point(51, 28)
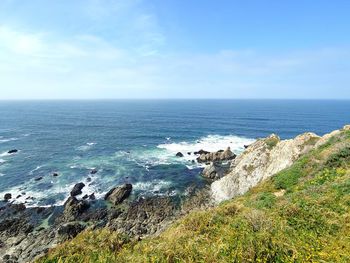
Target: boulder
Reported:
point(70, 230)
point(179, 154)
point(74, 207)
point(12, 151)
point(215, 171)
point(92, 196)
point(55, 174)
point(7, 196)
point(118, 194)
point(77, 189)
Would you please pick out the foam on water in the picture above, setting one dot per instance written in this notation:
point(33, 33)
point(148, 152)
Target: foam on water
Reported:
point(8, 140)
point(86, 147)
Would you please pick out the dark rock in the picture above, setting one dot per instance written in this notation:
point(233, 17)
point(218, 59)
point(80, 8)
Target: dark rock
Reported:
point(18, 196)
point(12, 151)
point(70, 230)
point(92, 196)
point(179, 154)
point(118, 194)
point(189, 153)
point(246, 146)
point(7, 196)
point(201, 152)
point(40, 209)
point(93, 171)
point(77, 189)
point(38, 178)
point(55, 174)
point(85, 196)
point(73, 208)
point(18, 207)
point(88, 179)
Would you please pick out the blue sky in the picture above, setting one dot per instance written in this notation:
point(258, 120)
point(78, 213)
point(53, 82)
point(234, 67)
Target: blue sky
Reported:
point(95, 49)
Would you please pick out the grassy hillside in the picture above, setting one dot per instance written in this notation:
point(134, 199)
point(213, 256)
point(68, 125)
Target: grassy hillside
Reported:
point(302, 214)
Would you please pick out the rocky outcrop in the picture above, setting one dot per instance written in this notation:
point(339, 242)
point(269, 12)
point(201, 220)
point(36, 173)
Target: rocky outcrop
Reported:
point(77, 189)
point(118, 194)
point(12, 151)
point(73, 208)
point(7, 196)
point(218, 156)
point(260, 160)
point(215, 170)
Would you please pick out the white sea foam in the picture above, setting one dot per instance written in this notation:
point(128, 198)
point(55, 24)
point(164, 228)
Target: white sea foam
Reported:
point(2, 161)
point(8, 140)
point(155, 186)
point(86, 147)
point(35, 169)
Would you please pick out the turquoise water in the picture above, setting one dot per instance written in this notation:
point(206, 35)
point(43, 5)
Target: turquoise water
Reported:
point(136, 141)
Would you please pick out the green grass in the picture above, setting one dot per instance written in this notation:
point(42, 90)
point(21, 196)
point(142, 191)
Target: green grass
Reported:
point(308, 222)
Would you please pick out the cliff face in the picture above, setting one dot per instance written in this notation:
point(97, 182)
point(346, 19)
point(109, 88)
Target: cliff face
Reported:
point(261, 160)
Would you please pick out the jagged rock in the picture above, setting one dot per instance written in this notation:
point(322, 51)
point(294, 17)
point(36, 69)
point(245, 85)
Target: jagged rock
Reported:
point(70, 230)
point(92, 196)
point(12, 151)
point(260, 160)
point(7, 196)
point(77, 189)
point(201, 152)
point(179, 154)
point(218, 156)
point(73, 208)
point(215, 171)
point(118, 194)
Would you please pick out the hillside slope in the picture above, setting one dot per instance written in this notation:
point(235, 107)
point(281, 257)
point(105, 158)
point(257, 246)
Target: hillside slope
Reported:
point(302, 214)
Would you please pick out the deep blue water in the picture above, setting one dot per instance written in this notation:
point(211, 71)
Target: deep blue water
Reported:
point(136, 141)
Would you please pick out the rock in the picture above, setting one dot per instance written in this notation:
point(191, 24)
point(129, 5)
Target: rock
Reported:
point(179, 154)
point(12, 151)
point(245, 146)
point(74, 207)
point(70, 230)
point(259, 161)
point(189, 153)
point(92, 196)
point(218, 156)
point(38, 178)
point(77, 189)
point(201, 152)
point(93, 171)
point(7, 196)
point(88, 179)
point(215, 171)
point(85, 196)
point(18, 196)
point(118, 194)
point(55, 174)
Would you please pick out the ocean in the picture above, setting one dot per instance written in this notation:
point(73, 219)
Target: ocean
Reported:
point(135, 141)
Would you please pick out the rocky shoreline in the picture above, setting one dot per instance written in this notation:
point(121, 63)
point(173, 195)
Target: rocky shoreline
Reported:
point(27, 233)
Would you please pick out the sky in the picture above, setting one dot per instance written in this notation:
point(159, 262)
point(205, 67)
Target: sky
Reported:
point(113, 49)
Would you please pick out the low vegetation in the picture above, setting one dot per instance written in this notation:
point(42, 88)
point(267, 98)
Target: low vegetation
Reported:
point(302, 214)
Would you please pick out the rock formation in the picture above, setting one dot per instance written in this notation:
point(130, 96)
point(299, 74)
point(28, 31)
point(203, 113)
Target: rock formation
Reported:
point(260, 160)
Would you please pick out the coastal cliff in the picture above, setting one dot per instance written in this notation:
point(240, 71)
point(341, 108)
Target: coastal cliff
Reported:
point(290, 205)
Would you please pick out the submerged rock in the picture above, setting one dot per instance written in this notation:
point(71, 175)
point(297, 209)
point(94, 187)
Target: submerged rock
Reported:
point(55, 174)
point(93, 171)
point(12, 151)
point(77, 189)
point(118, 194)
point(38, 178)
